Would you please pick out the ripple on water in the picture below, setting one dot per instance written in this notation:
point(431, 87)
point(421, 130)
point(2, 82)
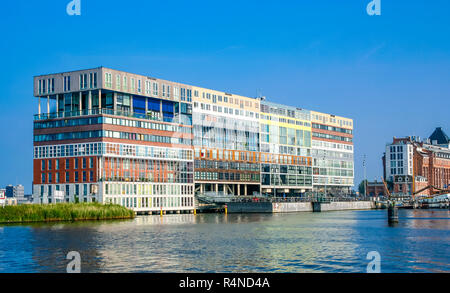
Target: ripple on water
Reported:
point(302, 242)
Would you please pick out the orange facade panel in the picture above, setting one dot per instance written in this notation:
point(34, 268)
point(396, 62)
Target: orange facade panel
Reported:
point(65, 170)
point(251, 157)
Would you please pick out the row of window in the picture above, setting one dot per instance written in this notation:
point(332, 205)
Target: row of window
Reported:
point(395, 156)
point(48, 164)
point(111, 134)
point(46, 86)
point(332, 128)
point(141, 165)
point(122, 169)
point(333, 137)
point(146, 151)
point(146, 137)
point(226, 110)
point(116, 149)
point(285, 136)
point(398, 148)
point(331, 145)
point(227, 176)
point(154, 177)
point(152, 88)
point(67, 122)
point(112, 121)
point(152, 202)
point(87, 80)
point(330, 118)
point(285, 150)
point(396, 164)
point(284, 120)
point(319, 180)
point(281, 110)
point(331, 154)
point(76, 191)
point(327, 163)
point(146, 125)
point(332, 172)
point(148, 189)
point(86, 176)
point(231, 100)
point(207, 164)
point(286, 169)
point(285, 180)
point(397, 171)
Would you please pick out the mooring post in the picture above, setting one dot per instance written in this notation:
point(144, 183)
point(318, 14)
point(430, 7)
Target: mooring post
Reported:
point(392, 212)
point(316, 206)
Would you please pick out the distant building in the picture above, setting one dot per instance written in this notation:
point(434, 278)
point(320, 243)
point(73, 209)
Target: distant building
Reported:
point(412, 165)
point(17, 191)
point(376, 188)
point(11, 201)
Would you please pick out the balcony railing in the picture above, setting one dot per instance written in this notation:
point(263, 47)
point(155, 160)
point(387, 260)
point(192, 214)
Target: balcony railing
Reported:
point(155, 116)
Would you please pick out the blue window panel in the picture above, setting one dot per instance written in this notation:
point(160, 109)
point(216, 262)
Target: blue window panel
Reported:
point(167, 107)
point(168, 117)
point(153, 105)
point(138, 102)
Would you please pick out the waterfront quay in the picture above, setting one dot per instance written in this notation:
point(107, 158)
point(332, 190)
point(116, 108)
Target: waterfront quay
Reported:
point(232, 204)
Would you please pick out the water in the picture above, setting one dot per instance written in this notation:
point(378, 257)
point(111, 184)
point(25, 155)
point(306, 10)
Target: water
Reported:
point(300, 242)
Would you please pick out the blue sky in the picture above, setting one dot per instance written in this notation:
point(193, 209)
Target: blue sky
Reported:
point(390, 73)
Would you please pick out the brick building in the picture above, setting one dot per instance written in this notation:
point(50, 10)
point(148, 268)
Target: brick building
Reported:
point(412, 164)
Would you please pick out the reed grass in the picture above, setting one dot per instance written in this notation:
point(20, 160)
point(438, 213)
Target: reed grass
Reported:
point(63, 212)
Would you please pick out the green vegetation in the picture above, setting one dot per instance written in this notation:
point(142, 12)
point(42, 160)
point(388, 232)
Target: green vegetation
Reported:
point(362, 187)
point(63, 212)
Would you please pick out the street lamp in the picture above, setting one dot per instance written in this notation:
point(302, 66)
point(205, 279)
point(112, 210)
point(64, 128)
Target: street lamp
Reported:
point(326, 177)
point(365, 176)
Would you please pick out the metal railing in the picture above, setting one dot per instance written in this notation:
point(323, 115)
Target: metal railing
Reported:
point(222, 199)
point(78, 113)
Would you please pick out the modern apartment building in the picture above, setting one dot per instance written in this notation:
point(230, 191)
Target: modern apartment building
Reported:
point(151, 144)
point(17, 191)
point(286, 163)
point(332, 153)
point(112, 136)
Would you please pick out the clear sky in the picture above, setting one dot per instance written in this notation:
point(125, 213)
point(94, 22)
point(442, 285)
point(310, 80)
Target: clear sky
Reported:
point(390, 73)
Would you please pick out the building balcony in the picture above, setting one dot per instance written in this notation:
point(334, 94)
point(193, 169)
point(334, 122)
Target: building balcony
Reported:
point(151, 115)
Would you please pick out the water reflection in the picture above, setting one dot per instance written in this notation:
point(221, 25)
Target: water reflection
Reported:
point(300, 242)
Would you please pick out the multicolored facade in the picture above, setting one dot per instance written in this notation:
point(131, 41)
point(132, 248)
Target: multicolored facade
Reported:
point(332, 153)
point(151, 144)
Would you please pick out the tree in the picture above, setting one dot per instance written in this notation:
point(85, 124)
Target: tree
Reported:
point(362, 187)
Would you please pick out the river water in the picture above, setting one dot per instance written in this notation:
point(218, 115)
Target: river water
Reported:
point(300, 242)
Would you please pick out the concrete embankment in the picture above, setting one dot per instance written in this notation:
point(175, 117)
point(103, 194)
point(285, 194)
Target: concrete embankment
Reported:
point(249, 207)
point(292, 207)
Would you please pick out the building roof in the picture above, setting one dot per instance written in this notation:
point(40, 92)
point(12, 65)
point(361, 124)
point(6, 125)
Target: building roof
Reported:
point(440, 136)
